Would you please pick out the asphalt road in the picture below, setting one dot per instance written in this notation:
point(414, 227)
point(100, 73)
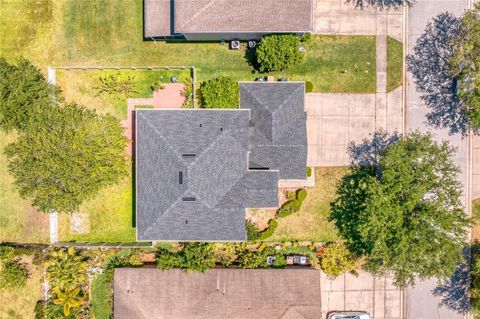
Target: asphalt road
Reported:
point(420, 303)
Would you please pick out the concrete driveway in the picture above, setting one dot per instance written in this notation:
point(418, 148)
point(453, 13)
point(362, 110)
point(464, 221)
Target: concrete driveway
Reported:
point(340, 18)
point(335, 120)
point(377, 296)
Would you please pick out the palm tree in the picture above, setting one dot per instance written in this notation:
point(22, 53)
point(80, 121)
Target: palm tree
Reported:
point(66, 269)
point(68, 298)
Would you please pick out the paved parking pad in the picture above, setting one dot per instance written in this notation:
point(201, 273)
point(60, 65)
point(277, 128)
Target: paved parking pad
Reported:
point(377, 296)
point(335, 120)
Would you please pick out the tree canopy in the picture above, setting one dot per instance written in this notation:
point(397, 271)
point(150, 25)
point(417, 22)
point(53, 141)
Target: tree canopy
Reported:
point(465, 64)
point(278, 52)
point(67, 156)
point(221, 93)
point(23, 91)
point(404, 215)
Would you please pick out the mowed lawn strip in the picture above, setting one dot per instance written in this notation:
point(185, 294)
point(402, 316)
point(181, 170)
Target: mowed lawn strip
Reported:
point(394, 64)
point(19, 221)
point(311, 222)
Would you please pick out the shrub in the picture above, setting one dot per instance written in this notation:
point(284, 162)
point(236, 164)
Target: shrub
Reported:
point(167, 259)
point(308, 89)
point(221, 92)
point(157, 86)
point(255, 259)
point(278, 52)
point(192, 256)
point(288, 208)
point(6, 253)
point(115, 84)
point(66, 268)
point(14, 274)
point(291, 195)
point(187, 93)
point(475, 284)
point(308, 171)
point(301, 194)
point(252, 231)
point(337, 259)
point(272, 225)
point(280, 261)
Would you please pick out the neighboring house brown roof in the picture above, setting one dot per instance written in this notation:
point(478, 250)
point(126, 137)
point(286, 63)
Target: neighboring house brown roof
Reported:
point(141, 293)
point(197, 16)
point(157, 19)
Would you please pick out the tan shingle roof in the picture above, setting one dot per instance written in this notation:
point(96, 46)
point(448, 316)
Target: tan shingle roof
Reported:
point(193, 16)
point(218, 293)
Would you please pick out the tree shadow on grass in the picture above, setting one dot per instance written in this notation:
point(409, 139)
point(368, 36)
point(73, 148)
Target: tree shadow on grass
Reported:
point(455, 291)
point(429, 65)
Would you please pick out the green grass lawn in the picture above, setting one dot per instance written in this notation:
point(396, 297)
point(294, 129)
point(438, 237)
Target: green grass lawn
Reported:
point(394, 63)
point(79, 86)
point(100, 298)
point(109, 32)
point(19, 221)
point(311, 222)
point(20, 303)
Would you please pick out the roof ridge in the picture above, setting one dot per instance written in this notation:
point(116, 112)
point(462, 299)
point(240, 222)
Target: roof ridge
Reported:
point(291, 96)
point(264, 108)
point(209, 4)
point(209, 147)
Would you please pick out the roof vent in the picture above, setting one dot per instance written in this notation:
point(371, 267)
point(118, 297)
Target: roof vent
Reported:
point(189, 199)
point(180, 177)
point(188, 155)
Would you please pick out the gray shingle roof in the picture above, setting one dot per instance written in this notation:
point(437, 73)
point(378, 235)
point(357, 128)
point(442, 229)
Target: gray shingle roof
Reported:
point(207, 151)
point(197, 16)
point(141, 293)
point(278, 133)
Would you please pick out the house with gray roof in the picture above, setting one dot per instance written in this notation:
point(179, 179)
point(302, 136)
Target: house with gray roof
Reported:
point(278, 138)
point(197, 170)
point(140, 293)
point(214, 20)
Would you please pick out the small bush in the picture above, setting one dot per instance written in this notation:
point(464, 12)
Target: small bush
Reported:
point(255, 259)
point(157, 86)
point(167, 259)
point(252, 231)
point(221, 93)
point(291, 195)
point(337, 259)
point(308, 171)
point(278, 52)
point(6, 253)
point(192, 256)
point(308, 88)
point(115, 84)
point(187, 93)
point(301, 194)
point(14, 274)
point(280, 261)
point(272, 225)
point(289, 208)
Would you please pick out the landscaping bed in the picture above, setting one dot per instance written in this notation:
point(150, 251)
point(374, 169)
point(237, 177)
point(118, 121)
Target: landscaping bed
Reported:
point(311, 221)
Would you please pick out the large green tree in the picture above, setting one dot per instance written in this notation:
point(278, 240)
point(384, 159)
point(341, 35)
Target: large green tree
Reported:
point(67, 156)
point(465, 64)
point(23, 91)
point(405, 215)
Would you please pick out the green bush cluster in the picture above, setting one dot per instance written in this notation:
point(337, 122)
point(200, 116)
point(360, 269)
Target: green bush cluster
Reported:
point(220, 93)
point(190, 256)
point(308, 87)
point(308, 171)
point(337, 259)
point(14, 274)
point(272, 225)
point(278, 52)
point(252, 231)
point(293, 205)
